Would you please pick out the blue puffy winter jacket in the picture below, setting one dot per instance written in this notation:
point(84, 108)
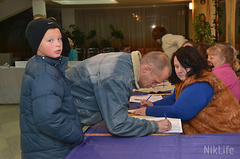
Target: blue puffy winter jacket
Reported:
point(49, 122)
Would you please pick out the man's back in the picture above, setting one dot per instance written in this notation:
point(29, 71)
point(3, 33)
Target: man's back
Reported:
point(88, 75)
point(101, 87)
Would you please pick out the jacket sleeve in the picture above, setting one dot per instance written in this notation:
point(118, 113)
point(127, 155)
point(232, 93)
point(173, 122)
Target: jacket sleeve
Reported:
point(170, 100)
point(112, 97)
point(48, 114)
point(192, 100)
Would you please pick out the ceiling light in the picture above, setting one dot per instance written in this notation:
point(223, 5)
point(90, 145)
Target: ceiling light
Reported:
point(81, 2)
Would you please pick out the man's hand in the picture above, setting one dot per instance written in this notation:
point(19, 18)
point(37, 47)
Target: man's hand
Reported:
point(164, 125)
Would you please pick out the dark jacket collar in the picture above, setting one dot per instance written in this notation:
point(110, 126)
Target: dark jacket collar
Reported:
point(59, 62)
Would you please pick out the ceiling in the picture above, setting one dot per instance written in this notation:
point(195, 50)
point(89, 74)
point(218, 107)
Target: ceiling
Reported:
point(113, 3)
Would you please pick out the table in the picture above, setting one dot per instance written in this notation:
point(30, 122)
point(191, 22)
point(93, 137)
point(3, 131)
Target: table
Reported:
point(11, 81)
point(100, 144)
point(156, 146)
point(10, 85)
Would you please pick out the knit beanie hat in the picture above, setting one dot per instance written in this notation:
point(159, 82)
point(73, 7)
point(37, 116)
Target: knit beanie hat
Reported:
point(36, 30)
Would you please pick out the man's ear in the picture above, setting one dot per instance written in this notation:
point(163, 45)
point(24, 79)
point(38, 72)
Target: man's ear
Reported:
point(147, 69)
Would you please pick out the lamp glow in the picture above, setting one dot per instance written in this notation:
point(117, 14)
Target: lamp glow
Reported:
point(190, 6)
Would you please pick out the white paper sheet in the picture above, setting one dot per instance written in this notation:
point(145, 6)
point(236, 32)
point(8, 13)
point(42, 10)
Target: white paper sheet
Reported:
point(176, 122)
point(138, 98)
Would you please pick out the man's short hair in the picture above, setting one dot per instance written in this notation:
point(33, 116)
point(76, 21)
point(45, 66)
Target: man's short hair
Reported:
point(158, 60)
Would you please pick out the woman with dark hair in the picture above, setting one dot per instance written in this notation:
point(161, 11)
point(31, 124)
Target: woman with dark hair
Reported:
point(202, 49)
point(200, 99)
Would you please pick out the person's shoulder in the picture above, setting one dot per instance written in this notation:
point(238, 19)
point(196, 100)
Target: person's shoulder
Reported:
point(172, 35)
point(171, 38)
point(118, 57)
point(75, 51)
point(197, 85)
point(225, 72)
point(167, 36)
point(35, 66)
point(200, 89)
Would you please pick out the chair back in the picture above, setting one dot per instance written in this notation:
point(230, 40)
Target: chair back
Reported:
point(108, 49)
point(92, 52)
point(81, 54)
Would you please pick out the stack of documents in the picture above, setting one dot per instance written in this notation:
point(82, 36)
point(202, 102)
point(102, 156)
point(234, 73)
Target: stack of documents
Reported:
point(158, 89)
point(138, 98)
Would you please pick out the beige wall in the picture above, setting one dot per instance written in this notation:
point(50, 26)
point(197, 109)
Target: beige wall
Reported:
point(9, 9)
point(190, 25)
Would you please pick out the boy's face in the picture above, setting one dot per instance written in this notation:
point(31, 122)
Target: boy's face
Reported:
point(51, 44)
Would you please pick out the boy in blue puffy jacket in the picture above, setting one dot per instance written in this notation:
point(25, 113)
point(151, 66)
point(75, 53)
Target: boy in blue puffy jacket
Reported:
point(49, 122)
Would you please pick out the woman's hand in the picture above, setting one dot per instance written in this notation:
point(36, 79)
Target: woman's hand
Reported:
point(140, 111)
point(164, 125)
point(146, 103)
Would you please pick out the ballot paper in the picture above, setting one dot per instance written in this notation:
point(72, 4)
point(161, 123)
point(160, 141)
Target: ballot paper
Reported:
point(158, 89)
point(138, 98)
point(176, 122)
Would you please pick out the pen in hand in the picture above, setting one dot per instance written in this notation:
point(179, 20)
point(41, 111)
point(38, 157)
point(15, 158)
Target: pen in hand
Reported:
point(165, 115)
point(148, 98)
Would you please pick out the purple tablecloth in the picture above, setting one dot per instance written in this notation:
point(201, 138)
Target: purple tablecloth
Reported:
point(99, 144)
point(207, 146)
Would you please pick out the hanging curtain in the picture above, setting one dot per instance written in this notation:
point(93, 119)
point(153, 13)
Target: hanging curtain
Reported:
point(134, 23)
point(230, 21)
point(237, 25)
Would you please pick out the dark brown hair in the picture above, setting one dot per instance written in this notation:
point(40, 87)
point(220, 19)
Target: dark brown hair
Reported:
point(158, 32)
point(188, 58)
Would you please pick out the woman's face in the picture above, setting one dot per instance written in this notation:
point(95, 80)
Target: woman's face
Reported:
point(215, 60)
point(180, 70)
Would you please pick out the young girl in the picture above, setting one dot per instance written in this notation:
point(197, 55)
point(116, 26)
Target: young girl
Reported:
point(223, 59)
